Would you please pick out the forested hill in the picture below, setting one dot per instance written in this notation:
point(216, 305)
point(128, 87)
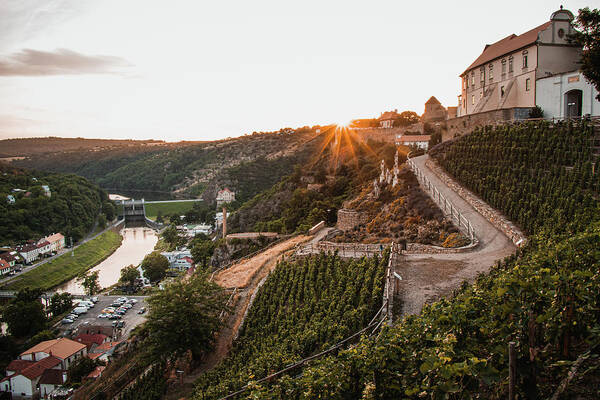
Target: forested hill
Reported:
point(72, 208)
point(248, 164)
point(545, 298)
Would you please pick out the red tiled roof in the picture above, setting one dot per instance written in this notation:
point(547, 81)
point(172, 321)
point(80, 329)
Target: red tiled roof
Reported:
point(389, 115)
point(106, 346)
point(55, 237)
point(414, 138)
point(188, 259)
point(44, 243)
point(52, 377)
point(7, 257)
point(62, 348)
point(37, 369)
point(90, 339)
point(96, 372)
point(26, 248)
point(4, 264)
point(508, 44)
point(19, 365)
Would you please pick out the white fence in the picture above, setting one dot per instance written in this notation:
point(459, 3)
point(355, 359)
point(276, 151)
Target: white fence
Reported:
point(445, 205)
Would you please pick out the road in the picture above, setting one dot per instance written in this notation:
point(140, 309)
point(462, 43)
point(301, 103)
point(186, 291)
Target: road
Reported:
point(428, 277)
point(60, 253)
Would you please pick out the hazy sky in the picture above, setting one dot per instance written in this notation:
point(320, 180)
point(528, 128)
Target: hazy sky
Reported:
point(201, 69)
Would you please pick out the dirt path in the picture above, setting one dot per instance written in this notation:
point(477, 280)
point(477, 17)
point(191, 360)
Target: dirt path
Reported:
point(428, 277)
point(245, 276)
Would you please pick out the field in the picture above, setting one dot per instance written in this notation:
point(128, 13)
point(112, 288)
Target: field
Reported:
point(179, 208)
point(64, 268)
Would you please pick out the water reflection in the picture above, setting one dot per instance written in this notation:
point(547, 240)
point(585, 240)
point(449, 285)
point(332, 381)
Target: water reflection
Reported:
point(137, 242)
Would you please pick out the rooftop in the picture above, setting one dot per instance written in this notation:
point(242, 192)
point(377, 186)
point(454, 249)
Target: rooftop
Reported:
point(62, 348)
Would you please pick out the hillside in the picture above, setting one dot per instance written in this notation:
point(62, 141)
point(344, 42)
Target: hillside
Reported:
point(248, 164)
point(544, 298)
point(72, 207)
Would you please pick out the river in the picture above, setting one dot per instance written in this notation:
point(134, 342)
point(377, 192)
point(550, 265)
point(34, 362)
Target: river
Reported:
point(137, 242)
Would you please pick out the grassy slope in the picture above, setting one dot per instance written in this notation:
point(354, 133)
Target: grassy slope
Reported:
point(168, 208)
point(66, 267)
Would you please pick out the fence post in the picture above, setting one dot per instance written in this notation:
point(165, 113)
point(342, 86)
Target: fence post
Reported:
point(512, 370)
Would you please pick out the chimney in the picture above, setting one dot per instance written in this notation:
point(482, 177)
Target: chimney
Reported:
point(224, 222)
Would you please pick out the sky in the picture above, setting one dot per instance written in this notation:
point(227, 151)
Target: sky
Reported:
point(202, 70)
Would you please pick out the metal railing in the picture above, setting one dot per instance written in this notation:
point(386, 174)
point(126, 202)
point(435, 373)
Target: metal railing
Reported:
point(445, 205)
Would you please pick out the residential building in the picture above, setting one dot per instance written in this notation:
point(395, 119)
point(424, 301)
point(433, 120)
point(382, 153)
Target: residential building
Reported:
point(4, 267)
point(66, 350)
point(507, 74)
point(420, 141)
point(23, 376)
point(43, 246)
point(192, 230)
point(46, 190)
point(57, 241)
point(225, 196)
point(104, 351)
point(10, 199)
point(386, 119)
point(10, 257)
point(91, 340)
point(180, 260)
point(30, 252)
point(567, 95)
point(51, 380)
point(434, 111)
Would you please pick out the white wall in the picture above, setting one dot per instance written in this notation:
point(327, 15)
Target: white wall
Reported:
point(21, 384)
point(550, 94)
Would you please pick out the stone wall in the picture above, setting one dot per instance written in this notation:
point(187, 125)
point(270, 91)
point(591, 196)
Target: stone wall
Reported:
point(465, 124)
point(494, 216)
point(348, 219)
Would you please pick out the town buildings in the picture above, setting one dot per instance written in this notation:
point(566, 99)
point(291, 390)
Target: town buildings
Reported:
point(386, 119)
point(419, 141)
point(179, 260)
point(519, 72)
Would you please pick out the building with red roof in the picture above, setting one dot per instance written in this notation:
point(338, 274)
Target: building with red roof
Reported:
point(91, 340)
point(26, 376)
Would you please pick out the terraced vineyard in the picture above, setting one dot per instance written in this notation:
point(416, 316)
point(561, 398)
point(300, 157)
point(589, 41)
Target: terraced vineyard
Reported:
point(303, 307)
point(545, 298)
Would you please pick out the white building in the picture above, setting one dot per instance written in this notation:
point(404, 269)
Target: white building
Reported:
point(420, 141)
point(46, 190)
point(567, 95)
point(180, 260)
point(29, 252)
point(225, 196)
point(57, 241)
point(10, 199)
point(192, 230)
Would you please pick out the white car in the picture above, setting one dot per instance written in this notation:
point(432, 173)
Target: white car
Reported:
point(132, 301)
point(94, 299)
point(102, 315)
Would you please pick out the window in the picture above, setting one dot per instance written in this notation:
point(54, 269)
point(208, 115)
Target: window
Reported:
point(503, 67)
point(501, 91)
point(482, 75)
point(491, 73)
point(473, 99)
point(525, 60)
point(510, 64)
point(527, 84)
point(472, 78)
point(481, 94)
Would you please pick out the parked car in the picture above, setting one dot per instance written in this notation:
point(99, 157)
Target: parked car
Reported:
point(94, 299)
point(120, 324)
point(85, 303)
point(103, 315)
point(127, 305)
point(72, 316)
point(80, 310)
point(115, 316)
point(142, 310)
point(66, 321)
point(132, 301)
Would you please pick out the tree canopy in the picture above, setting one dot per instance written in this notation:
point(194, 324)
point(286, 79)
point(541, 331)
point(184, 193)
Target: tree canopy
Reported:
point(27, 303)
point(155, 266)
point(587, 35)
point(89, 281)
point(129, 274)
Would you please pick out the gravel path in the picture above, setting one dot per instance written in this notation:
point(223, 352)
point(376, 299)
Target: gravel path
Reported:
point(427, 277)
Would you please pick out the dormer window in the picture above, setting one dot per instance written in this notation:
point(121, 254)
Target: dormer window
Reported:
point(525, 60)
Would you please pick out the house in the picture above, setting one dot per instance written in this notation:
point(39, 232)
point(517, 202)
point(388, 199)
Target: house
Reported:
point(518, 72)
point(225, 196)
point(386, 119)
point(46, 190)
point(30, 252)
point(51, 380)
point(104, 351)
point(66, 350)
point(43, 246)
point(10, 199)
point(4, 267)
point(91, 340)
point(23, 376)
point(57, 241)
point(182, 264)
point(179, 260)
point(192, 230)
point(420, 141)
point(10, 257)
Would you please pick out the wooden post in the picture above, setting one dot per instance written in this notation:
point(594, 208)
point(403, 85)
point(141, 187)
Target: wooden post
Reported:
point(512, 370)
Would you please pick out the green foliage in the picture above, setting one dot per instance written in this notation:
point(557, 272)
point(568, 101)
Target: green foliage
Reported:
point(178, 208)
point(587, 35)
point(155, 266)
point(171, 237)
point(152, 386)
point(304, 306)
point(90, 282)
point(80, 369)
point(202, 251)
point(60, 303)
point(66, 267)
point(25, 315)
point(184, 316)
point(536, 112)
point(129, 274)
point(71, 209)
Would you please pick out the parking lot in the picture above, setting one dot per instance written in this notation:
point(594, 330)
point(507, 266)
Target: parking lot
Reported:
point(131, 318)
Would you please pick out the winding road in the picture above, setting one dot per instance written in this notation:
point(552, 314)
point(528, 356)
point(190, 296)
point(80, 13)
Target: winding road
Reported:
point(427, 277)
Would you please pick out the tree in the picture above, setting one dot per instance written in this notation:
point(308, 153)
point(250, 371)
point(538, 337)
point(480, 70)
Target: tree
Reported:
point(129, 274)
point(102, 221)
point(60, 303)
point(80, 369)
point(155, 266)
point(26, 304)
point(108, 208)
point(203, 251)
point(184, 316)
point(171, 237)
point(587, 35)
point(407, 118)
point(90, 283)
